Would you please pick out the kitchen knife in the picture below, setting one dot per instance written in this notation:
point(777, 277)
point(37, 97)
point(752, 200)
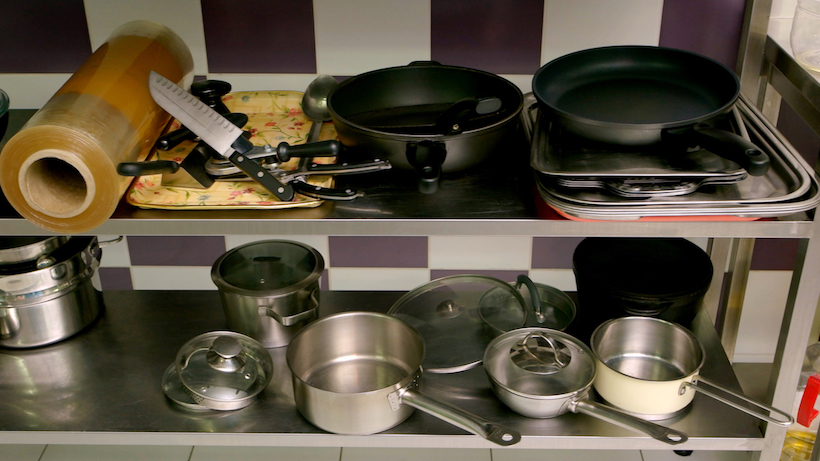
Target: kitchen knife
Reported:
point(215, 130)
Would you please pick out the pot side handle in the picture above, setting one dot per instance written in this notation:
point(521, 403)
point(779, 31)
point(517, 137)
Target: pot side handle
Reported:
point(491, 431)
point(619, 418)
point(785, 422)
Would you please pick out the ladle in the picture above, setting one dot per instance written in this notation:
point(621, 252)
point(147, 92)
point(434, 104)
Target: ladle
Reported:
point(314, 103)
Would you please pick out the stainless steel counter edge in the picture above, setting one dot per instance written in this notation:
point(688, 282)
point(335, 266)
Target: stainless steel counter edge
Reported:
point(370, 441)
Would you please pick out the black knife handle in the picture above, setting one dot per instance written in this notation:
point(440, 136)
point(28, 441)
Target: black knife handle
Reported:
point(143, 168)
point(314, 149)
point(256, 172)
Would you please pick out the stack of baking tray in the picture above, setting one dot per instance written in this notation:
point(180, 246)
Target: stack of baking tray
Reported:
point(584, 183)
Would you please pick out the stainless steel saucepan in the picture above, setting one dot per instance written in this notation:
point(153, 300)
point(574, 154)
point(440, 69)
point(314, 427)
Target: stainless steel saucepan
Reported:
point(651, 368)
point(358, 373)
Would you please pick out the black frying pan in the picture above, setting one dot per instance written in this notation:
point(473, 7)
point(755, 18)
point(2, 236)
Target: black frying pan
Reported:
point(641, 95)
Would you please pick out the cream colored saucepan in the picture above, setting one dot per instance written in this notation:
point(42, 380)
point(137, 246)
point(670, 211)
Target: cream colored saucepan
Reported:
point(650, 367)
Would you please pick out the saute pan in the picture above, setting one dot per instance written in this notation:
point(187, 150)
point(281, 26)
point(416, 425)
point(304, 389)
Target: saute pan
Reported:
point(358, 373)
point(642, 95)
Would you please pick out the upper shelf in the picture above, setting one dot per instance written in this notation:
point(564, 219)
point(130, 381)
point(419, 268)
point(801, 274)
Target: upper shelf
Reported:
point(497, 198)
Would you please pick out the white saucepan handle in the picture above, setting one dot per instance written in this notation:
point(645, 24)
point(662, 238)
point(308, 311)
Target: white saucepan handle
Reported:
point(787, 419)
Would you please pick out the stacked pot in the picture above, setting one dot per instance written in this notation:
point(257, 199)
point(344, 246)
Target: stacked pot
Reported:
point(47, 289)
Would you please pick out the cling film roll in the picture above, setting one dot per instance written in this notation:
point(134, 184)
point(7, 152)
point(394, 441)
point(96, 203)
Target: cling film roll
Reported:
point(59, 170)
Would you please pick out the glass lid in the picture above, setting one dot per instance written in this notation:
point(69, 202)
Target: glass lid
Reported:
point(540, 362)
point(223, 370)
point(267, 267)
point(458, 316)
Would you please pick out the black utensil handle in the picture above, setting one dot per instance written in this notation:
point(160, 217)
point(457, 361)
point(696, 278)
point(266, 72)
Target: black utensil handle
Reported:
point(734, 147)
point(314, 149)
point(324, 193)
point(256, 172)
point(143, 168)
point(170, 140)
point(427, 157)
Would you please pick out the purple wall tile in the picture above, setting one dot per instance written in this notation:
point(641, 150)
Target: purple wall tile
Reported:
point(259, 36)
point(175, 251)
point(706, 27)
point(499, 37)
point(505, 275)
point(43, 36)
point(553, 253)
point(774, 254)
point(349, 251)
point(116, 278)
point(799, 133)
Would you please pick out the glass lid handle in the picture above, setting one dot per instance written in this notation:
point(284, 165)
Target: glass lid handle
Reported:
point(226, 354)
point(555, 357)
point(536, 301)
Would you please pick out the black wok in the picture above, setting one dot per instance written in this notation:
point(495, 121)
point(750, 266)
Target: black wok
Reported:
point(642, 95)
point(426, 116)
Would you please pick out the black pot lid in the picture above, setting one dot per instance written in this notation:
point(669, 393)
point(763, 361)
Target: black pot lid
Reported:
point(267, 268)
point(458, 316)
point(642, 267)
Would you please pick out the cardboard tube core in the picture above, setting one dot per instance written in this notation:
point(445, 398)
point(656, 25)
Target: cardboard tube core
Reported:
point(54, 185)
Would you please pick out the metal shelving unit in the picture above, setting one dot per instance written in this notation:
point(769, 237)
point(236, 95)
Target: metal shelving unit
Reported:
point(499, 203)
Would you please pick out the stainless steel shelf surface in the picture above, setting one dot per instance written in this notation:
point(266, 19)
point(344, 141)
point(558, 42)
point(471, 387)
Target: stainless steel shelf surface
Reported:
point(103, 387)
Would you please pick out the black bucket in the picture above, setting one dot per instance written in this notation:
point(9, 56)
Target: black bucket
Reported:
point(664, 278)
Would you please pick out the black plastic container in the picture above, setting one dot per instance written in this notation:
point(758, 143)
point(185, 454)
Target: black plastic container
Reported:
point(664, 278)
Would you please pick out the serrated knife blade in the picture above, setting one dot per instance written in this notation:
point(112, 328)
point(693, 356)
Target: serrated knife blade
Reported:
point(215, 130)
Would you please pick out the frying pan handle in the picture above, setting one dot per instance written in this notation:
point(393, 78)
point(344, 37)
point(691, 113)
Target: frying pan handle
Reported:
point(619, 418)
point(785, 422)
point(493, 432)
point(731, 146)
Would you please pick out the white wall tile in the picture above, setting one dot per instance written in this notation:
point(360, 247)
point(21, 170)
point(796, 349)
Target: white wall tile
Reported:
point(355, 37)
point(376, 278)
point(31, 91)
point(115, 255)
point(21, 452)
point(265, 82)
point(481, 253)
point(562, 279)
point(783, 8)
point(172, 278)
point(182, 16)
point(566, 455)
point(115, 453)
point(763, 307)
point(579, 24)
point(697, 455)
point(416, 454)
point(265, 454)
point(523, 82)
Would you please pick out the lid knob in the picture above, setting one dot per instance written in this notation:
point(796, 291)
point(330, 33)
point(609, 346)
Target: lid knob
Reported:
point(226, 354)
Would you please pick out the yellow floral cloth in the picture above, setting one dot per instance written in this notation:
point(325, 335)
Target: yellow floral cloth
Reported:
point(273, 117)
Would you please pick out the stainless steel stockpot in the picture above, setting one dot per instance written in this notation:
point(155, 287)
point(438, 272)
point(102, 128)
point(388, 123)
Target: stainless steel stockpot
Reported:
point(15, 250)
point(358, 373)
point(45, 304)
point(269, 289)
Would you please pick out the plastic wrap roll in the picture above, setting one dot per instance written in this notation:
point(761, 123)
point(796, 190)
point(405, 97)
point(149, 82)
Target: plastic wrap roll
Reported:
point(59, 170)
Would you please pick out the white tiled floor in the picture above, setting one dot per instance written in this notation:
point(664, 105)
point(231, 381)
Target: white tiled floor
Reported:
point(265, 454)
point(115, 453)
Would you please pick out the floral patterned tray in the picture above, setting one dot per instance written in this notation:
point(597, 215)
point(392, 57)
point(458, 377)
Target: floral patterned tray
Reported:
point(273, 117)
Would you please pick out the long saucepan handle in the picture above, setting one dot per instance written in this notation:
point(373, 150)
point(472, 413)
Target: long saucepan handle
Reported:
point(493, 432)
point(617, 417)
point(785, 422)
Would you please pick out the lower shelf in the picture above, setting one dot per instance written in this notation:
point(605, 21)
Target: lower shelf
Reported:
point(102, 387)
